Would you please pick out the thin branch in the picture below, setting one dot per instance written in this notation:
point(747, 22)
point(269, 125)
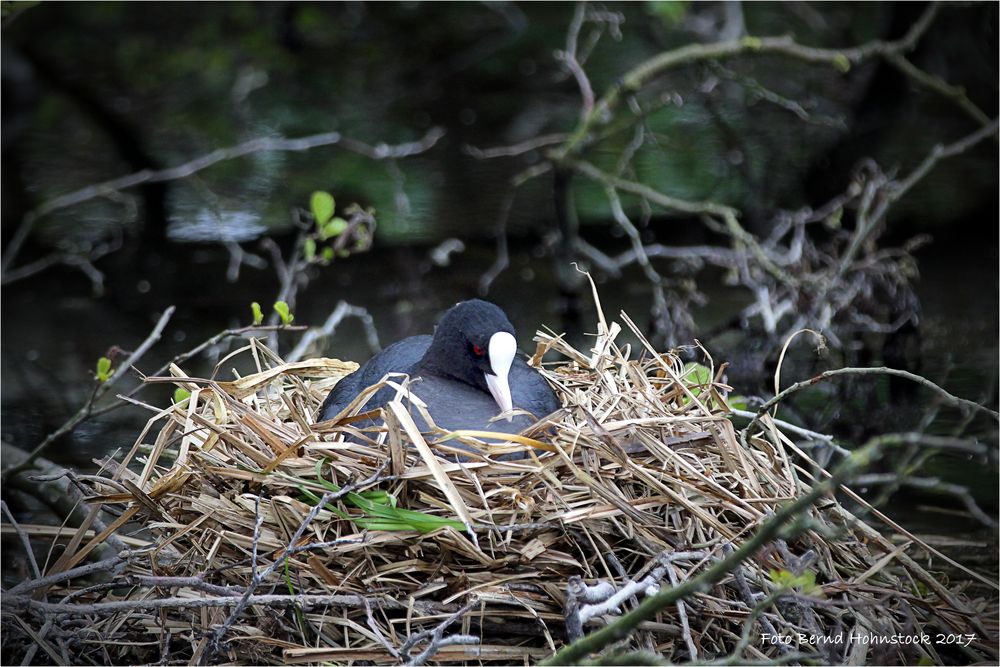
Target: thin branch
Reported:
point(515, 149)
point(17, 603)
point(954, 93)
point(339, 314)
point(261, 144)
point(933, 485)
point(575, 652)
point(59, 577)
point(25, 540)
point(502, 260)
point(569, 58)
point(938, 153)
point(842, 59)
point(916, 437)
point(87, 410)
point(435, 634)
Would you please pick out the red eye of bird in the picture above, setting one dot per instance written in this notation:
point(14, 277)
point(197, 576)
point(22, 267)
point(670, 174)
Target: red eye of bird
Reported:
point(478, 351)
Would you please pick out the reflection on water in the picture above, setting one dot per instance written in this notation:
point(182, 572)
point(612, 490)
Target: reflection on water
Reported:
point(206, 225)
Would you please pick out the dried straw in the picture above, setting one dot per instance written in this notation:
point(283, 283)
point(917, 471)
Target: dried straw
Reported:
point(641, 472)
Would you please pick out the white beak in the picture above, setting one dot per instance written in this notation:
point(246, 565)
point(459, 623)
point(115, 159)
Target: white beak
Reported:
point(502, 349)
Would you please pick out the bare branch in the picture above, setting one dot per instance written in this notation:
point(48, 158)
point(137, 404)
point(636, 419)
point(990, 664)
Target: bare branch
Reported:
point(954, 93)
point(25, 541)
point(575, 652)
point(436, 637)
point(87, 410)
point(261, 144)
point(933, 485)
point(515, 149)
point(842, 59)
point(339, 314)
point(914, 438)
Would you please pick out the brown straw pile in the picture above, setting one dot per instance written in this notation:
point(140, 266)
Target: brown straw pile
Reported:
point(641, 471)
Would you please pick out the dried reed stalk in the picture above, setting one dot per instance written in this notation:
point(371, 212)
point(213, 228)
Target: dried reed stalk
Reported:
point(641, 463)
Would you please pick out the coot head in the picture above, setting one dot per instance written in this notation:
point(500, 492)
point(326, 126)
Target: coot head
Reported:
point(474, 343)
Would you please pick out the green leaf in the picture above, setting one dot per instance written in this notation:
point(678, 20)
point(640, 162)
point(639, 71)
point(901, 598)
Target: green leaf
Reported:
point(181, 394)
point(738, 402)
point(258, 314)
point(334, 227)
point(841, 62)
point(696, 377)
point(670, 12)
point(328, 254)
point(782, 578)
point(379, 509)
point(288, 579)
point(322, 206)
point(696, 374)
point(286, 316)
point(103, 369)
point(309, 249)
point(805, 582)
point(833, 220)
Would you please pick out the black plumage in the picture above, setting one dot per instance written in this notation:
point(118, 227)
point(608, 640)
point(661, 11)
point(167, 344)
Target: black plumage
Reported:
point(450, 377)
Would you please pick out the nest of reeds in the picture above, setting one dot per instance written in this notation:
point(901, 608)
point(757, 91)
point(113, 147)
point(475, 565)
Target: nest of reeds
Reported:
point(640, 474)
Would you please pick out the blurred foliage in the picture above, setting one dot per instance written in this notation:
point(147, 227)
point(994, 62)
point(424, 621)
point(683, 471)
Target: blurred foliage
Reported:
point(188, 78)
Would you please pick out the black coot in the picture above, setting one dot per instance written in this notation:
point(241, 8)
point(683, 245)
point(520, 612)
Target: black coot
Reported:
point(466, 373)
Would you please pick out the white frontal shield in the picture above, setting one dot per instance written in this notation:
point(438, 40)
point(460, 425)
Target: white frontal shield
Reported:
point(502, 349)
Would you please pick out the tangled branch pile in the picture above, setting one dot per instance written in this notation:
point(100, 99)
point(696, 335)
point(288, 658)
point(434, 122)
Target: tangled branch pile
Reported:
point(417, 557)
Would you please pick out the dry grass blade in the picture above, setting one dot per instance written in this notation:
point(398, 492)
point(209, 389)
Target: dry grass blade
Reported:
point(642, 462)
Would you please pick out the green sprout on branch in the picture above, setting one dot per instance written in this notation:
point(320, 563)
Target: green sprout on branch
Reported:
point(284, 313)
point(103, 370)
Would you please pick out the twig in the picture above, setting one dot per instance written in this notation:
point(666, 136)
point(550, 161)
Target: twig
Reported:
point(195, 582)
point(569, 58)
point(934, 485)
point(514, 149)
point(341, 312)
point(25, 602)
point(437, 640)
point(259, 577)
point(682, 615)
point(25, 541)
point(502, 260)
point(655, 279)
point(87, 410)
point(767, 531)
point(52, 579)
point(916, 438)
point(938, 153)
point(378, 152)
point(634, 79)
point(954, 93)
point(378, 632)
